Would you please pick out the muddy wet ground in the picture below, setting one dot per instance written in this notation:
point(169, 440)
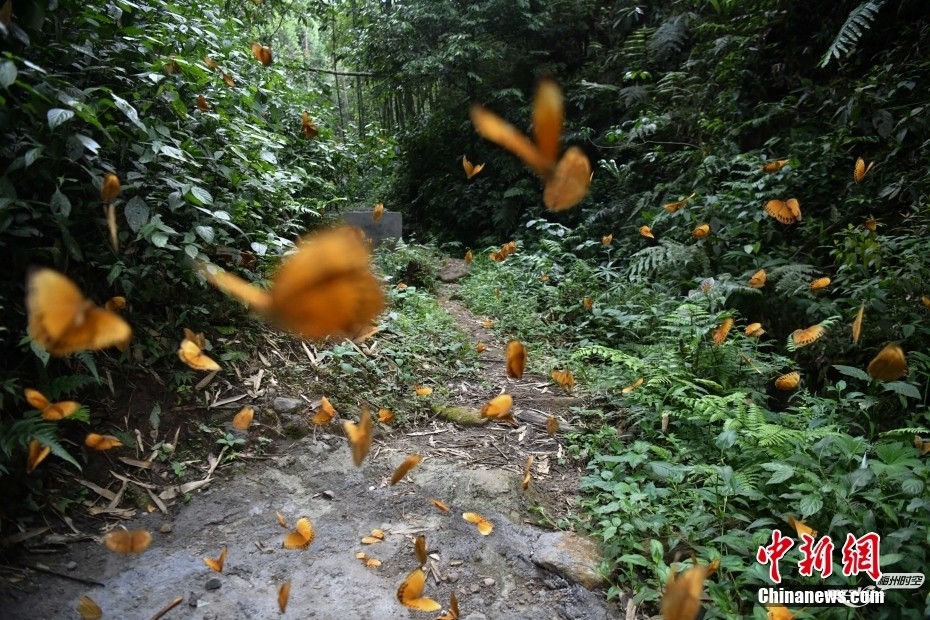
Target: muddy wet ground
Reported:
point(469, 468)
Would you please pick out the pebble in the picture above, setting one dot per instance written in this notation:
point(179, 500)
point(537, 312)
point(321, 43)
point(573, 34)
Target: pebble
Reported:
point(488, 582)
point(328, 495)
point(286, 405)
point(475, 588)
point(166, 528)
point(453, 577)
point(213, 584)
point(71, 565)
point(192, 600)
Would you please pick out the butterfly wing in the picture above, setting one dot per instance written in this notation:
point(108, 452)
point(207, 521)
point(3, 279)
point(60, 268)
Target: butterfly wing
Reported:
point(682, 597)
point(548, 117)
point(404, 468)
point(255, 298)
point(889, 364)
point(410, 593)
point(492, 127)
point(284, 593)
point(243, 419)
point(569, 182)
point(191, 354)
point(37, 454)
point(857, 324)
point(359, 436)
point(516, 359)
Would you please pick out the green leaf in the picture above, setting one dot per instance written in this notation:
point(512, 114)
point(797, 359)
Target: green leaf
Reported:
point(202, 195)
point(137, 213)
point(902, 388)
point(852, 371)
point(207, 233)
point(192, 250)
point(60, 204)
point(159, 239)
point(32, 155)
point(7, 73)
point(89, 143)
point(155, 416)
point(810, 504)
point(780, 471)
point(57, 116)
point(126, 108)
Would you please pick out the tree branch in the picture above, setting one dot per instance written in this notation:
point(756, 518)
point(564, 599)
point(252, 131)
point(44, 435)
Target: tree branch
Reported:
point(350, 73)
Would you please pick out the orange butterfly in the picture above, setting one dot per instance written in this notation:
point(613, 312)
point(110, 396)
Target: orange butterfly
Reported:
point(701, 231)
point(326, 413)
point(871, 224)
point(301, 537)
point(210, 62)
point(410, 592)
point(385, 416)
point(51, 411)
point(804, 337)
point(499, 408)
point(484, 526)
point(516, 359)
point(88, 609)
point(778, 612)
point(124, 541)
point(754, 330)
point(404, 468)
point(230, 82)
point(488, 322)
point(925, 300)
point(922, 444)
point(607, 239)
point(471, 169)
point(453, 613)
point(588, 303)
point(528, 472)
point(199, 339)
point(645, 231)
point(788, 381)
point(368, 561)
point(469, 257)
point(566, 180)
point(774, 166)
point(820, 283)
point(216, 564)
point(861, 170)
point(857, 324)
point(325, 289)
point(497, 257)
point(889, 364)
point(419, 549)
point(37, 454)
point(111, 226)
point(110, 187)
point(63, 321)
point(202, 104)
point(422, 390)
point(682, 597)
point(262, 53)
point(758, 279)
point(512, 247)
point(440, 505)
point(284, 593)
point(102, 442)
point(192, 355)
point(564, 378)
point(281, 520)
point(359, 436)
point(785, 212)
point(243, 419)
point(374, 538)
point(115, 303)
point(674, 206)
point(308, 128)
point(481, 347)
point(720, 333)
point(801, 528)
point(378, 212)
point(633, 386)
point(544, 277)
point(552, 426)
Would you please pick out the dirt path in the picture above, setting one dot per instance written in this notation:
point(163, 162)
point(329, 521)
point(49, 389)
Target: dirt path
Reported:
point(518, 571)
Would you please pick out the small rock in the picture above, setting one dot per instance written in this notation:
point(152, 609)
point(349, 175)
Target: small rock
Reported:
point(166, 528)
point(286, 461)
point(213, 584)
point(453, 577)
point(576, 558)
point(488, 582)
point(328, 495)
point(453, 270)
point(71, 565)
point(286, 405)
point(475, 615)
point(475, 588)
point(192, 600)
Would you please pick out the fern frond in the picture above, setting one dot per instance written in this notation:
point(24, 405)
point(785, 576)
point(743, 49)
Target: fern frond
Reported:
point(666, 255)
point(670, 37)
point(859, 20)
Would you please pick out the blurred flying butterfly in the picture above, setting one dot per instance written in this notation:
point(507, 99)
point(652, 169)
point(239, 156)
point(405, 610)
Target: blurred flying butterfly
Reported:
point(754, 330)
point(861, 170)
point(326, 413)
point(607, 239)
point(632, 386)
point(820, 283)
point(645, 231)
point(758, 279)
point(439, 504)
point(721, 332)
point(778, 612)
point(484, 526)
point(301, 537)
point(102, 442)
point(262, 53)
point(218, 563)
point(544, 277)
point(774, 166)
point(516, 359)
point(857, 324)
point(325, 289)
point(499, 408)
point(453, 613)
point(701, 231)
point(49, 410)
point(588, 303)
point(552, 426)
point(385, 416)
point(674, 206)
point(419, 549)
point(871, 224)
point(404, 468)
point(889, 364)
point(243, 419)
point(469, 257)
point(785, 212)
point(124, 541)
point(567, 179)
point(359, 435)
point(471, 169)
point(801, 528)
point(284, 593)
point(110, 187)
point(788, 381)
point(308, 128)
point(115, 303)
point(528, 472)
point(682, 597)
point(410, 593)
point(192, 355)
point(422, 390)
point(378, 212)
point(202, 104)
point(810, 335)
point(564, 378)
point(63, 321)
point(88, 609)
point(37, 454)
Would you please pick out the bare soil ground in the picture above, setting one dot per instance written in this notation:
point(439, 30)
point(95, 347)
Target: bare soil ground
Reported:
point(471, 468)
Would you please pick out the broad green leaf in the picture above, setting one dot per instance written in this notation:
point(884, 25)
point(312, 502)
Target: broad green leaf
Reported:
point(202, 195)
point(852, 371)
point(207, 233)
point(137, 213)
point(259, 248)
point(780, 471)
point(159, 239)
point(170, 151)
point(89, 143)
point(810, 504)
point(57, 116)
point(900, 387)
point(192, 250)
point(60, 204)
point(126, 108)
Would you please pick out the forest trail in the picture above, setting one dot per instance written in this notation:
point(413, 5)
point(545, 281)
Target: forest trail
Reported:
point(520, 570)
